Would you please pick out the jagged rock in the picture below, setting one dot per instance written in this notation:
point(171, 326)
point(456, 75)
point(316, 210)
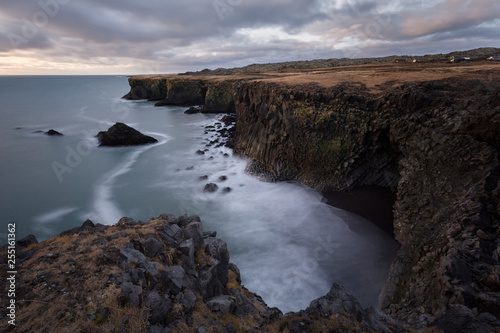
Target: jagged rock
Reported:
point(188, 299)
point(151, 246)
point(159, 307)
point(171, 230)
point(53, 133)
point(209, 234)
point(176, 275)
point(132, 293)
point(217, 248)
point(210, 283)
point(184, 220)
point(221, 304)
point(222, 178)
point(137, 258)
point(226, 189)
point(122, 135)
point(194, 230)
point(170, 218)
point(187, 248)
point(87, 226)
point(27, 241)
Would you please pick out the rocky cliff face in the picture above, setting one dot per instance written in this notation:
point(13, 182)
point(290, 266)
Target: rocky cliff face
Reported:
point(430, 132)
point(435, 143)
point(216, 95)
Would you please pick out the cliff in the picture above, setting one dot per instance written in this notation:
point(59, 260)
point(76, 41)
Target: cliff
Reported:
point(215, 94)
point(434, 140)
point(428, 131)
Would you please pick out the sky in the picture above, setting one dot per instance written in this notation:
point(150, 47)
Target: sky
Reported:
point(170, 36)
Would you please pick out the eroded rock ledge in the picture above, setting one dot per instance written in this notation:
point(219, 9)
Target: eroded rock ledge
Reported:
point(431, 132)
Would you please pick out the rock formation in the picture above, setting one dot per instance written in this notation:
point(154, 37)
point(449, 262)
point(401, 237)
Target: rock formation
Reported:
point(432, 142)
point(122, 135)
point(428, 131)
point(52, 132)
point(164, 275)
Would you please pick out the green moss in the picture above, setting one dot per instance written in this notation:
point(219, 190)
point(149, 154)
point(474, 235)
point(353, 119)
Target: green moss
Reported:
point(337, 148)
point(310, 116)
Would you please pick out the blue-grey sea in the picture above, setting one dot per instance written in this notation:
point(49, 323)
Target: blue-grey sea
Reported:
point(288, 244)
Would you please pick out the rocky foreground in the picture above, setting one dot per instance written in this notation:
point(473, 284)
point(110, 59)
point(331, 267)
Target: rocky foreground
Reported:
point(164, 275)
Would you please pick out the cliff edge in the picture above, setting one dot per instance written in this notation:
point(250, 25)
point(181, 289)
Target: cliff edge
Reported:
point(430, 132)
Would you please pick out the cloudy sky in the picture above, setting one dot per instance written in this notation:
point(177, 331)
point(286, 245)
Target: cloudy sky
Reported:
point(167, 36)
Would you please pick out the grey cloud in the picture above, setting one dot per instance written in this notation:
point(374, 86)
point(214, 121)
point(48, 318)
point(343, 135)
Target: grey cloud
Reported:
point(165, 33)
point(448, 16)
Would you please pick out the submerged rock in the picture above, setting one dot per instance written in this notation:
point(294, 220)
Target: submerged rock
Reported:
point(122, 135)
point(193, 110)
point(211, 188)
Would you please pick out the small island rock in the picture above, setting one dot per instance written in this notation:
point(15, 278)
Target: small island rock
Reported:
point(122, 135)
point(53, 133)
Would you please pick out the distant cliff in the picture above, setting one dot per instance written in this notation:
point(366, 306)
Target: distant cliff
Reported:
point(215, 95)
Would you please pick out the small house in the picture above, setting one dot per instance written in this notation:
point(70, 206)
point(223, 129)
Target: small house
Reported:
point(400, 60)
point(495, 58)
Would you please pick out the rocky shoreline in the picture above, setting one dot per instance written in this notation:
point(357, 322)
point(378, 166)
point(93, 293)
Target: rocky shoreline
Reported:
point(427, 131)
point(163, 275)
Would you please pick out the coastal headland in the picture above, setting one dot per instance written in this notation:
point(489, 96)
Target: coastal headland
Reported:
point(429, 131)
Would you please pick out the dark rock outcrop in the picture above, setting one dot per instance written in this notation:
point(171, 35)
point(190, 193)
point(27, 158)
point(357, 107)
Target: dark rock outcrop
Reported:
point(194, 109)
point(216, 96)
point(211, 188)
point(52, 132)
point(122, 135)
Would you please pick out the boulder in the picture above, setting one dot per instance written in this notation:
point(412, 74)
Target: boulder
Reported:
point(52, 132)
point(193, 109)
point(122, 135)
point(159, 307)
point(26, 241)
point(151, 246)
point(211, 188)
point(221, 304)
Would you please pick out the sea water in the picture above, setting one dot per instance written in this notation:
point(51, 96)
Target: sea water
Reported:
point(289, 245)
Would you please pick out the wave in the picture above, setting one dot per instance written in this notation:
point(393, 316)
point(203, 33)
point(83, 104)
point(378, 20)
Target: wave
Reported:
point(55, 215)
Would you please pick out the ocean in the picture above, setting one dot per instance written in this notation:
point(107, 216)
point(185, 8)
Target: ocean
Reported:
point(289, 245)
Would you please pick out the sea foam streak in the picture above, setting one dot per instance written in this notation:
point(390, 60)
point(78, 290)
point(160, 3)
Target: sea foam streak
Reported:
point(105, 209)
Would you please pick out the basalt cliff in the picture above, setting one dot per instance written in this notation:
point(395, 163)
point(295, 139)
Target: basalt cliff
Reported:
point(428, 131)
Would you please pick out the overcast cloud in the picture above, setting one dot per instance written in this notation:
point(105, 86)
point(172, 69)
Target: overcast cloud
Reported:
point(157, 36)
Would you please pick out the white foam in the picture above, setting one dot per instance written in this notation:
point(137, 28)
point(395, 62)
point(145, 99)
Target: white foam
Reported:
point(289, 245)
point(54, 215)
point(105, 208)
